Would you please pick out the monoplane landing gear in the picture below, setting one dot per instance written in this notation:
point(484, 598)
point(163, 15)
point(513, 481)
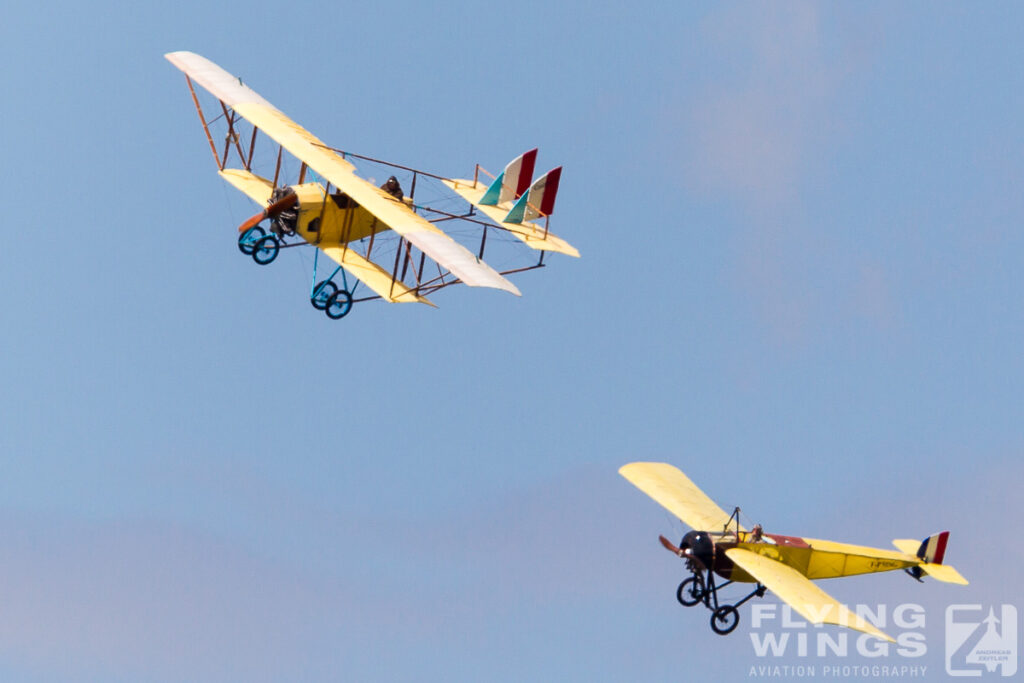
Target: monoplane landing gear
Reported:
point(724, 618)
point(247, 240)
point(265, 249)
point(691, 591)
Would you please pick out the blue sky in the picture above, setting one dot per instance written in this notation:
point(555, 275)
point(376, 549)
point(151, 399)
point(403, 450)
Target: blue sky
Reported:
point(800, 283)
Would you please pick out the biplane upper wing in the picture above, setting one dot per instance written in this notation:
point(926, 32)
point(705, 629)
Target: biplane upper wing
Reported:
point(448, 253)
point(676, 493)
point(800, 593)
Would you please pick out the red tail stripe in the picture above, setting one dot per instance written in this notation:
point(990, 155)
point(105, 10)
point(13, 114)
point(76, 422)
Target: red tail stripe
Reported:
point(547, 205)
point(526, 172)
point(940, 547)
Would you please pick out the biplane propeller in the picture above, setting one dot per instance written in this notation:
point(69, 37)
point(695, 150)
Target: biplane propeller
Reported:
point(787, 565)
point(345, 216)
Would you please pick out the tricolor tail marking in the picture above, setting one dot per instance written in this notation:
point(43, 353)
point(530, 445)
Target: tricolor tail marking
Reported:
point(513, 181)
point(933, 548)
point(539, 200)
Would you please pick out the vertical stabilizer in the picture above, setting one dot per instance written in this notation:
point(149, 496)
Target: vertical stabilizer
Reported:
point(513, 181)
point(539, 200)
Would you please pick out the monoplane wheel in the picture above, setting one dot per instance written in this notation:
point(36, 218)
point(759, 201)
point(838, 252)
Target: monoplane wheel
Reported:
point(248, 239)
point(321, 293)
point(690, 592)
point(265, 250)
point(338, 304)
point(724, 620)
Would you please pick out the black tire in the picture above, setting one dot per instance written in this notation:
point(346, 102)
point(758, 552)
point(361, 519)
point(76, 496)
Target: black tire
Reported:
point(248, 239)
point(724, 620)
point(265, 250)
point(338, 304)
point(321, 293)
point(690, 592)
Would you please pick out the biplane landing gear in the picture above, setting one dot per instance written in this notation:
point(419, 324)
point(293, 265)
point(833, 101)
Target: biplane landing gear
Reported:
point(265, 249)
point(321, 293)
point(247, 240)
point(338, 304)
point(724, 618)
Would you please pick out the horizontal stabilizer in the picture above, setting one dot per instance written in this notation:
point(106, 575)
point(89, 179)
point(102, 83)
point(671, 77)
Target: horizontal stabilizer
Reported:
point(944, 573)
point(532, 235)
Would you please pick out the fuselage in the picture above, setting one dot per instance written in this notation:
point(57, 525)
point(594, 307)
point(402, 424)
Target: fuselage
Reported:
point(338, 220)
point(815, 559)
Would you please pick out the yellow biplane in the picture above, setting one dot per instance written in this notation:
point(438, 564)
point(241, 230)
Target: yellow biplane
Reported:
point(787, 565)
point(353, 221)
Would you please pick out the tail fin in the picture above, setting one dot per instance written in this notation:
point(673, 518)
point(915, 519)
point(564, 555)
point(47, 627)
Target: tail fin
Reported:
point(933, 548)
point(931, 551)
point(513, 181)
point(539, 201)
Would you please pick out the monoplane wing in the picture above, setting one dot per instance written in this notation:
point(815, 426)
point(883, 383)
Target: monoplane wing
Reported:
point(800, 593)
point(677, 494)
point(448, 253)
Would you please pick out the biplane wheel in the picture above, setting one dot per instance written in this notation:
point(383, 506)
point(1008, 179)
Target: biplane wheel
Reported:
point(249, 238)
point(265, 250)
point(724, 620)
point(338, 304)
point(321, 293)
point(690, 592)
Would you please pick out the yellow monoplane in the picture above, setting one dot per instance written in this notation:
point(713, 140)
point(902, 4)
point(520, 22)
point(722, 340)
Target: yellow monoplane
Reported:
point(351, 220)
point(787, 565)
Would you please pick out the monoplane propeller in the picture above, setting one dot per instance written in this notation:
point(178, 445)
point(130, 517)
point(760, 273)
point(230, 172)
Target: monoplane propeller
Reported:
point(670, 546)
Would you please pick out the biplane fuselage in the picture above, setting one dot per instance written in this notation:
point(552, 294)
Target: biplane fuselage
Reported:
point(338, 220)
point(815, 559)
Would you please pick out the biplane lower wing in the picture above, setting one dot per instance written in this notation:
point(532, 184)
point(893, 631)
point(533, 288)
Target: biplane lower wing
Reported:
point(373, 276)
point(530, 234)
point(256, 188)
point(800, 593)
point(674, 491)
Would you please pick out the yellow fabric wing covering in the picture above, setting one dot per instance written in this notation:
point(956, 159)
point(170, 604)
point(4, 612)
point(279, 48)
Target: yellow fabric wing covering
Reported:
point(800, 593)
point(258, 189)
point(674, 491)
point(373, 276)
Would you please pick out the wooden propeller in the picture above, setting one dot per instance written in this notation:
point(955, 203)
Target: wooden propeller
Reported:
point(286, 202)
